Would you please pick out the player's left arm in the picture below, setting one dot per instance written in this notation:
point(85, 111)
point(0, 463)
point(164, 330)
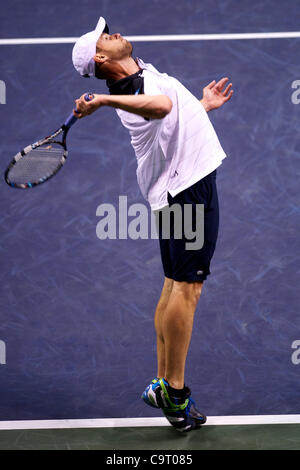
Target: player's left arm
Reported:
point(215, 94)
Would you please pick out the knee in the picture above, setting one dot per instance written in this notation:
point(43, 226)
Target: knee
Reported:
point(190, 290)
point(168, 285)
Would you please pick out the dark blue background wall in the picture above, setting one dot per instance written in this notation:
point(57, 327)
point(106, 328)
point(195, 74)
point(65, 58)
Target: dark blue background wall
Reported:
point(76, 313)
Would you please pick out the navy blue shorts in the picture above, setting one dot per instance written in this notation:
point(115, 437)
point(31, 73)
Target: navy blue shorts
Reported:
point(180, 263)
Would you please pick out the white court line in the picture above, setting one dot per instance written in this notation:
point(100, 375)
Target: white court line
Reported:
point(167, 37)
point(145, 422)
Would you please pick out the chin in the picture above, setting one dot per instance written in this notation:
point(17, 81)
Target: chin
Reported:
point(129, 47)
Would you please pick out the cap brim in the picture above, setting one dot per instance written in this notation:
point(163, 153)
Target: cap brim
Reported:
point(102, 26)
point(85, 49)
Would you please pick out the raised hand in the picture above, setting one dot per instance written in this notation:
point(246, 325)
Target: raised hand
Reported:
point(215, 94)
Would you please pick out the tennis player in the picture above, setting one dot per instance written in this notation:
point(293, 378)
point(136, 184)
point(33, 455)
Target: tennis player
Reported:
point(177, 153)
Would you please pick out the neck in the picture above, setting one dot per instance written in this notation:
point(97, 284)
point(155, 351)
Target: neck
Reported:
point(122, 69)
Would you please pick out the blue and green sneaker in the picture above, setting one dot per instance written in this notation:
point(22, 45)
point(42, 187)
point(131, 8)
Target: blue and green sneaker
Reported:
point(149, 395)
point(181, 413)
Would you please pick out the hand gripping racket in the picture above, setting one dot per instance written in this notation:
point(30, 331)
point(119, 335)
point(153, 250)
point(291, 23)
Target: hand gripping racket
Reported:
point(38, 162)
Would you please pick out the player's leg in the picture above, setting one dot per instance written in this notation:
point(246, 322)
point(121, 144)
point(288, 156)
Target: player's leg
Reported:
point(174, 323)
point(158, 321)
point(190, 269)
point(176, 328)
point(174, 318)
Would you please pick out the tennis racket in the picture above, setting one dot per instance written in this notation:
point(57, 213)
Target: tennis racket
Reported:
point(38, 162)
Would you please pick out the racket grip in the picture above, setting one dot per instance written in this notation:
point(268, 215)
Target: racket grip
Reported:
point(72, 117)
point(70, 121)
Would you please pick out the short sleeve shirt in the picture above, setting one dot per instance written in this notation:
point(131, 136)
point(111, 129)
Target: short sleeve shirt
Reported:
point(175, 152)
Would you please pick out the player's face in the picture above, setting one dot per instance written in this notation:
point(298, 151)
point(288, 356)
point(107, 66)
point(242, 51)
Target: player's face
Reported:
point(114, 46)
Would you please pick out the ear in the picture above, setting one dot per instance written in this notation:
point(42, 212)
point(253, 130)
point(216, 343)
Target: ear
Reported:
point(100, 58)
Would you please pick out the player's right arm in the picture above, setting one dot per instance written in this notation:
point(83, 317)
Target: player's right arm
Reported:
point(153, 107)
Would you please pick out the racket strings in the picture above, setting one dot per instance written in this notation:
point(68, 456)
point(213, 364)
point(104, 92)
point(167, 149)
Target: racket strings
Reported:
point(38, 164)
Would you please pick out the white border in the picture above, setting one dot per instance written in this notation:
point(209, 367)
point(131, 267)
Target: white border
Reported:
point(167, 37)
point(145, 422)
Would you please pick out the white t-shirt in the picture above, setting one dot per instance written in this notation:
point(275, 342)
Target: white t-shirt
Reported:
point(175, 152)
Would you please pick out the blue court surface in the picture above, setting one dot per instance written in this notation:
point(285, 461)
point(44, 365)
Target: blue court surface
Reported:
point(77, 332)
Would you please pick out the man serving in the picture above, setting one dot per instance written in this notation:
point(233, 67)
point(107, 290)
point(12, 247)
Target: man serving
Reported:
point(177, 153)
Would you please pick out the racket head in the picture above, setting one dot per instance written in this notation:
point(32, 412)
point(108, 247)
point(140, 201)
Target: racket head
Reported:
point(37, 163)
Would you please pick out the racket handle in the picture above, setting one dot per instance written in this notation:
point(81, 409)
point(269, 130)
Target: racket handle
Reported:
point(70, 121)
point(72, 117)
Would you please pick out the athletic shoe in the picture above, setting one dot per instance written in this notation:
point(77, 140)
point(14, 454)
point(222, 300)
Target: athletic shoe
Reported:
point(181, 413)
point(149, 395)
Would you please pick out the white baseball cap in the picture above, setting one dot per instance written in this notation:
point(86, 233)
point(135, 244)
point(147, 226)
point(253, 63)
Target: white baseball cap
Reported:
point(85, 49)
